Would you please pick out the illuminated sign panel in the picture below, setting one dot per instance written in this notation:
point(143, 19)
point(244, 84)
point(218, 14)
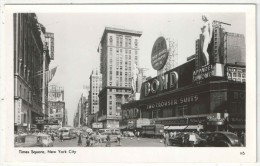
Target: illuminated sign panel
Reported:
point(159, 53)
point(55, 93)
point(216, 70)
point(49, 38)
point(18, 111)
point(170, 80)
point(97, 125)
point(237, 74)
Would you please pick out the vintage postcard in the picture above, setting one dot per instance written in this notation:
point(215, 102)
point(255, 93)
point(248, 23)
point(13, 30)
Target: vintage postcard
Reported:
point(144, 83)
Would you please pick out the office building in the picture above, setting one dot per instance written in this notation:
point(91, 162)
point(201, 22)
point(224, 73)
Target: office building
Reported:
point(29, 51)
point(119, 51)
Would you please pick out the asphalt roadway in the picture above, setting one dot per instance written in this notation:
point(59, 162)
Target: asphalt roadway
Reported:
point(125, 142)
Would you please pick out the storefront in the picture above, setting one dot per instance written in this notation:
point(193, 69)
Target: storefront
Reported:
point(209, 99)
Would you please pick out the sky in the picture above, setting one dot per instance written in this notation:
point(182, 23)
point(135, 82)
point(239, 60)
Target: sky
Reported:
point(77, 37)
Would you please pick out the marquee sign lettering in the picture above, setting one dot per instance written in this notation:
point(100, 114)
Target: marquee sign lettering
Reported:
point(163, 82)
point(174, 101)
point(208, 71)
point(159, 53)
point(199, 120)
point(172, 122)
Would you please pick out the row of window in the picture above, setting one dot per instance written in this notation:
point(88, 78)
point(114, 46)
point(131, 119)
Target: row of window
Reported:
point(119, 41)
point(118, 90)
point(127, 51)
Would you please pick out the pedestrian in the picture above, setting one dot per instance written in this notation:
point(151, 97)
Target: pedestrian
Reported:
point(171, 134)
point(138, 134)
point(61, 137)
point(91, 139)
point(108, 143)
point(166, 140)
point(52, 137)
point(87, 140)
point(119, 139)
point(174, 134)
point(80, 140)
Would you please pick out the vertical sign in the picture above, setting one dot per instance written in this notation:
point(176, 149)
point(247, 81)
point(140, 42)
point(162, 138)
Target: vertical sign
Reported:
point(18, 111)
point(50, 42)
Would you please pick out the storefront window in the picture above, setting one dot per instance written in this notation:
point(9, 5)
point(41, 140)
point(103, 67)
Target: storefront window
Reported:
point(168, 112)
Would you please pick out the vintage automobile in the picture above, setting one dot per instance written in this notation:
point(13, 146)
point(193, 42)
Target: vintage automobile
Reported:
point(32, 140)
point(113, 133)
point(223, 139)
point(187, 139)
point(68, 132)
point(46, 140)
point(128, 134)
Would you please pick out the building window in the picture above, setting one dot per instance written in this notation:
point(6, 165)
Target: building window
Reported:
point(111, 40)
point(24, 94)
point(129, 42)
point(20, 91)
point(182, 110)
point(117, 41)
point(121, 41)
point(136, 43)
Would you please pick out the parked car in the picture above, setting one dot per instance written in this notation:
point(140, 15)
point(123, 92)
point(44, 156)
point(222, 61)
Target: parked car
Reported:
point(113, 134)
point(128, 134)
point(46, 140)
point(187, 139)
point(223, 139)
point(29, 141)
point(19, 140)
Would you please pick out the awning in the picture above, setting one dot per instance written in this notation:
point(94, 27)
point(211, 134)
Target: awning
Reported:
point(190, 127)
point(237, 126)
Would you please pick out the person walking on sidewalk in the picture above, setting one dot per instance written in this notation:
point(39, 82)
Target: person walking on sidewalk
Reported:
point(119, 139)
point(61, 137)
point(166, 139)
point(52, 137)
point(80, 140)
point(108, 143)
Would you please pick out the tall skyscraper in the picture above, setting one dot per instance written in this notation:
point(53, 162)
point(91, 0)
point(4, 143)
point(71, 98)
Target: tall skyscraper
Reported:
point(95, 87)
point(29, 45)
point(119, 51)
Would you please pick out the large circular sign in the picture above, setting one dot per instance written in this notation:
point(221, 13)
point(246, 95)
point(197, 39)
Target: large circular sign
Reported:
point(159, 53)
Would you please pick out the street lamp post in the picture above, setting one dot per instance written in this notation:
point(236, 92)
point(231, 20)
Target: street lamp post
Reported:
point(43, 81)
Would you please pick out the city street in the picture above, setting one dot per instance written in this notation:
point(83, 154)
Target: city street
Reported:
point(126, 142)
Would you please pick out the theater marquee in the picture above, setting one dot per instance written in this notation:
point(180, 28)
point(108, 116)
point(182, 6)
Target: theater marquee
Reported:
point(216, 70)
